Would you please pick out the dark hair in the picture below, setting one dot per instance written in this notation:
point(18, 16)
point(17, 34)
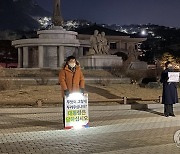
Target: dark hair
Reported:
point(69, 58)
point(167, 63)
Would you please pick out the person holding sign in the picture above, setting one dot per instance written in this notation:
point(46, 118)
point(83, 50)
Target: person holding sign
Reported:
point(169, 94)
point(71, 79)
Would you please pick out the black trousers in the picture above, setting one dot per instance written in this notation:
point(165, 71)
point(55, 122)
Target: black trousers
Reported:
point(168, 109)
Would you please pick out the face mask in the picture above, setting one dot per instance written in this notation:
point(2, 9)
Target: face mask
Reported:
point(72, 65)
point(170, 67)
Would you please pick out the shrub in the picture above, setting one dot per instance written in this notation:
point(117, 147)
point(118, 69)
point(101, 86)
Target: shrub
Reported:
point(121, 54)
point(136, 75)
point(118, 70)
point(5, 84)
point(42, 77)
point(146, 80)
point(103, 82)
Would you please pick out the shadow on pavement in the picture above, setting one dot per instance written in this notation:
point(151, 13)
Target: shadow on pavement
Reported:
point(154, 112)
point(144, 107)
point(101, 92)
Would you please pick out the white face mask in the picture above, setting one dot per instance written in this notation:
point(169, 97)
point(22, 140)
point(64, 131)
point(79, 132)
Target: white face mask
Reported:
point(170, 66)
point(72, 65)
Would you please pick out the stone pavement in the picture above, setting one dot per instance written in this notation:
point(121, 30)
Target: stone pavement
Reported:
point(112, 130)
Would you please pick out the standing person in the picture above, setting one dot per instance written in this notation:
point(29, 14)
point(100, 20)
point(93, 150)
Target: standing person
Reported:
point(71, 79)
point(169, 95)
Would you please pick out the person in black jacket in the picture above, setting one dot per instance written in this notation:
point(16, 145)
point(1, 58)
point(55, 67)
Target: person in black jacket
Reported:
point(169, 94)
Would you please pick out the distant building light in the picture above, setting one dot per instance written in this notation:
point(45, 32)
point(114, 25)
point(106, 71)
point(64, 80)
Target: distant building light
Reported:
point(158, 37)
point(124, 30)
point(143, 32)
point(46, 19)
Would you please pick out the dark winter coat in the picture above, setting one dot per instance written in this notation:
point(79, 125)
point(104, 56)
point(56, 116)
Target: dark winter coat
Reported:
point(169, 95)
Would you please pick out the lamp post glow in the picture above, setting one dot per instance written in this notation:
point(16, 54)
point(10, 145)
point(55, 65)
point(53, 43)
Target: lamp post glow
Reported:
point(76, 111)
point(143, 32)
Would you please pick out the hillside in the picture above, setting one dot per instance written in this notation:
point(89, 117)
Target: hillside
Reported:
point(20, 14)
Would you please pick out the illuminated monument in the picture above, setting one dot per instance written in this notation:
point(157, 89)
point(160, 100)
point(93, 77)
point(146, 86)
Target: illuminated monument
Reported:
point(57, 17)
point(52, 46)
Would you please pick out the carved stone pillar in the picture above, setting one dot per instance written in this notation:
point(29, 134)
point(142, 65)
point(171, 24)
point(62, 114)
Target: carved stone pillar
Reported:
point(61, 55)
point(80, 54)
point(20, 58)
point(25, 57)
point(41, 57)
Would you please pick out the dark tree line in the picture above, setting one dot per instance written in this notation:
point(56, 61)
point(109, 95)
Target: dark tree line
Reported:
point(165, 39)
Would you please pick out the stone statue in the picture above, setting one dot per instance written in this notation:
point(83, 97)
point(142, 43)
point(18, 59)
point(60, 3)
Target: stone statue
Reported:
point(98, 44)
point(104, 44)
point(57, 19)
point(94, 43)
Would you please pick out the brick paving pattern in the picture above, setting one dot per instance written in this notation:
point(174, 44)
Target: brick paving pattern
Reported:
point(112, 130)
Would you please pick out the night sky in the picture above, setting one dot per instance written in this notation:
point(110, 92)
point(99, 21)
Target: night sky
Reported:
point(162, 12)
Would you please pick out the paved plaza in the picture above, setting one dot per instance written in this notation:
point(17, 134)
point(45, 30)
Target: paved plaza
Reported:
point(112, 130)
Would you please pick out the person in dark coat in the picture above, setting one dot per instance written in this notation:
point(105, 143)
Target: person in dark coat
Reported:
point(169, 94)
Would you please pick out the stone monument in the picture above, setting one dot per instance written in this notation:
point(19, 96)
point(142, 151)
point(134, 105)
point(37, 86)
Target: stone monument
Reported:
point(98, 56)
point(57, 19)
point(52, 46)
point(98, 44)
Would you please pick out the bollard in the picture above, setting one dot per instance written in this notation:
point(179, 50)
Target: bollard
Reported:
point(39, 102)
point(125, 100)
point(160, 99)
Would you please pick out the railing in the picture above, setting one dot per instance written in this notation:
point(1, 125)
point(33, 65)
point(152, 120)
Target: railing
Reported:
point(125, 100)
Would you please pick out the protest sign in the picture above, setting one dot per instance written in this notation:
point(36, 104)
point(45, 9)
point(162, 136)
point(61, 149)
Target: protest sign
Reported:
point(76, 111)
point(173, 76)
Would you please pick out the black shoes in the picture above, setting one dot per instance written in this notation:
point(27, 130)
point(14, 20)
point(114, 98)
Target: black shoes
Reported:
point(166, 115)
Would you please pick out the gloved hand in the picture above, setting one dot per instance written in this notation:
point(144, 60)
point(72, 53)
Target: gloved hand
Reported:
point(82, 90)
point(66, 93)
